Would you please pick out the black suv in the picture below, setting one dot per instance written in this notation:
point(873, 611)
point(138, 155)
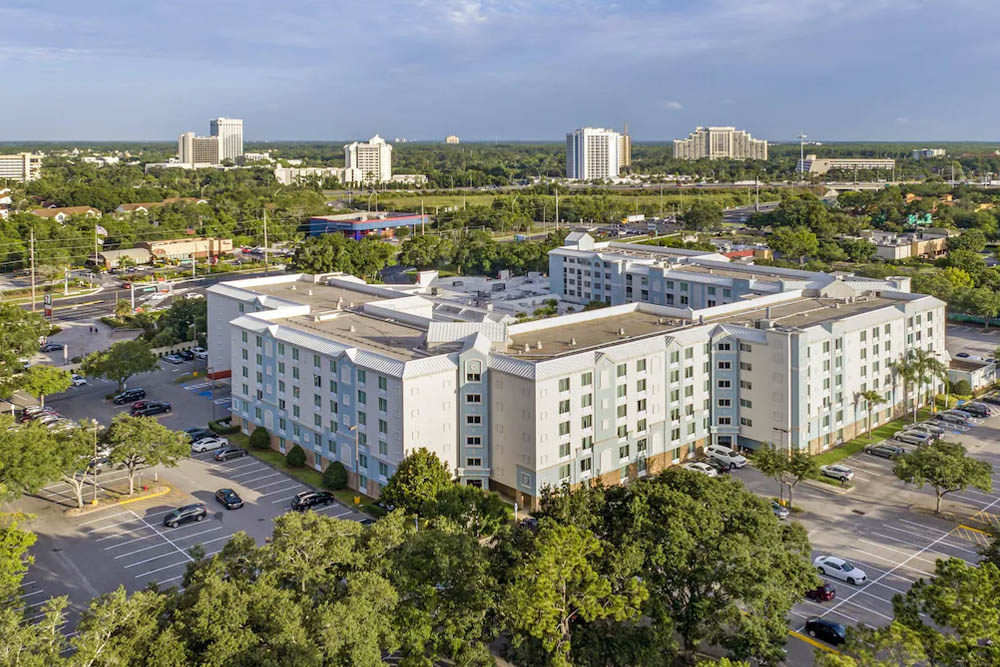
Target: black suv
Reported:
point(129, 395)
point(198, 433)
point(195, 512)
point(719, 466)
point(186, 355)
point(980, 411)
point(828, 631)
point(229, 498)
point(885, 451)
point(308, 499)
point(151, 408)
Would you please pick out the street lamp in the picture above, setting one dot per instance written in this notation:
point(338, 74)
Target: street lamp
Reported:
point(93, 423)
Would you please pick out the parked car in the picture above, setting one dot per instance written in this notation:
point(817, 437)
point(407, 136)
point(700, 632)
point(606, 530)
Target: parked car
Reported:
point(885, 451)
point(194, 295)
point(962, 355)
point(719, 466)
point(822, 593)
point(40, 413)
point(173, 359)
point(209, 443)
point(228, 453)
point(60, 424)
point(150, 408)
point(47, 418)
point(77, 380)
point(129, 395)
point(199, 433)
point(992, 399)
point(309, 499)
point(780, 511)
point(186, 355)
point(726, 455)
point(953, 418)
point(199, 352)
point(828, 631)
point(229, 498)
point(978, 410)
point(195, 512)
point(703, 468)
point(52, 347)
point(367, 522)
point(837, 471)
point(838, 568)
point(912, 437)
point(933, 432)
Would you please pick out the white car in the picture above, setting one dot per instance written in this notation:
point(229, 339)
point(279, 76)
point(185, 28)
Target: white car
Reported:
point(837, 471)
point(703, 468)
point(726, 456)
point(194, 295)
point(209, 443)
point(838, 568)
point(913, 437)
point(78, 380)
point(199, 352)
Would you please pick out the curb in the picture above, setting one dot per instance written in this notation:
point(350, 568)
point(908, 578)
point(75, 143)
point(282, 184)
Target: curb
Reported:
point(83, 511)
point(809, 640)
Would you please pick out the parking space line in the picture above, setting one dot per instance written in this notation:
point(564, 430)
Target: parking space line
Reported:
point(245, 464)
point(121, 534)
point(282, 500)
point(257, 479)
point(154, 546)
point(256, 469)
point(922, 573)
point(85, 523)
point(264, 486)
point(169, 541)
point(28, 595)
point(159, 569)
point(894, 568)
point(294, 486)
point(948, 544)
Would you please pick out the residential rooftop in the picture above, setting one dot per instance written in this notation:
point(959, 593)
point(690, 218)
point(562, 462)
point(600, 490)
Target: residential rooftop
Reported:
point(391, 339)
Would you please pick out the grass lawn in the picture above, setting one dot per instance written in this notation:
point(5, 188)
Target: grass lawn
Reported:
point(878, 434)
point(309, 476)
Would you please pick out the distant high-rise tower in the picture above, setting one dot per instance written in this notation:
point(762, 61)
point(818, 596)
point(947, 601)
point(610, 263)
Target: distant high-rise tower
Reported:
point(230, 134)
point(625, 148)
point(198, 150)
point(592, 153)
point(373, 158)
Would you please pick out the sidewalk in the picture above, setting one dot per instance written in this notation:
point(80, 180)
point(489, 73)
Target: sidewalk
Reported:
point(80, 341)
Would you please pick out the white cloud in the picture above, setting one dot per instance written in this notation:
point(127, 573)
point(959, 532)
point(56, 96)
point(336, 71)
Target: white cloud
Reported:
point(902, 120)
point(672, 105)
point(464, 12)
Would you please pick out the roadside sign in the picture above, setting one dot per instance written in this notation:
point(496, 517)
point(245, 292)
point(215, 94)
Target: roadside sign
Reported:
point(48, 300)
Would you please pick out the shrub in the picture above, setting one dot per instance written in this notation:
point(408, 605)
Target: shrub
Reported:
point(335, 476)
point(961, 388)
point(260, 438)
point(296, 457)
point(223, 428)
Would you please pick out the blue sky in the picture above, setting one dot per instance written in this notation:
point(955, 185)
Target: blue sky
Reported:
point(516, 69)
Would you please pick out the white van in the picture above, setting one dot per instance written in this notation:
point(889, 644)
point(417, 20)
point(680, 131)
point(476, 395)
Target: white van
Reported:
point(726, 456)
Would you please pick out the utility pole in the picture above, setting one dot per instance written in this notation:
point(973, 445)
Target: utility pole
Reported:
point(32, 269)
point(802, 153)
point(265, 241)
point(756, 206)
point(421, 216)
point(557, 209)
point(661, 201)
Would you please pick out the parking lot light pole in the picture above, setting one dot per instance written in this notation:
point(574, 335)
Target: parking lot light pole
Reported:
point(93, 423)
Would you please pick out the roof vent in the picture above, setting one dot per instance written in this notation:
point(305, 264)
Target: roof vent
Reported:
point(621, 331)
point(310, 292)
point(292, 288)
point(527, 347)
point(572, 341)
point(352, 329)
point(350, 305)
point(767, 312)
point(538, 345)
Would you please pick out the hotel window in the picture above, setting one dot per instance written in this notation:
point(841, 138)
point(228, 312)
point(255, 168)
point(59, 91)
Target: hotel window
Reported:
point(474, 398)
point(587, 379)
point(317, 421)
point(474, 441)
point(564, 428)
point(691, 428)
point(641, 405)
point(675, 434)
point(746, 366)
point(675, 357)
point(675, 394)
point(744, 403)
point(725, 421)
point(724, 347)
point(295, 411)
point(640, 426)
point(689, 372)
point(473, 371)
point(333, 406)
point(746, 384)
point(362, 376)
point(383, 405)
point(362, 419)
point(333, 365)
point(621, 370)
point(295, 353)
point(563, 384)
point(383, 448)
point(585, 465)
point(586, 400)
point(640, 365)
point(564, 472)
point(622, 411)
point(725, 403)
point(563, 450)
point(724, 384)
point(587, 442)
point(473, 420)
point(746, 347)
point(675, 376)
point(586, 421)
point(689, 353)
point(317, 400)
point(295, 372)
point(746, 422)
point(281, 367)
point(622, 431)
point(623, 452)
point(260, 341)
point(383, 426)
point(246, 355)
point(564, 406)
point(725, 366)
point(316, 360)
point(675, 414)
point(688, 391)
point(317, 381)
point(383, 383)
point(383, 469)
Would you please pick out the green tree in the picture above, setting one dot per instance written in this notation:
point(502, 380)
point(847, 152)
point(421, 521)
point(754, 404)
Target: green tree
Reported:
point(426, 251)
point(796, 242)
point(123, 309)
point(470, 510)
point(905, 369)
point(120, 362)
point(296, 457)
point(801, 465)
point(260, 438)
point(27, 463)
point(138, 442)
point(771, 463)
point(35, 644)
point(335, 252)
point(40, 381)
point(20, 333)
point(418, 480)
point(703, 215)
point(970, 239)
point(955, 613)
point(14, 557)
point(71, 453)
point(894, 645)
point(447, 594)
point(557, 584)
point(858, 250)
point(871, 398)
point(945, 467)
point(335, 476)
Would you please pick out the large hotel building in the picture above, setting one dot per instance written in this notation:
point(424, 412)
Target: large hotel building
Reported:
point(691, 350)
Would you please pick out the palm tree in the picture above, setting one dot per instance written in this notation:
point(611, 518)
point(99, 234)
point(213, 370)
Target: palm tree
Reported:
point(905, 369)
point(934, 369)
point(871, 399)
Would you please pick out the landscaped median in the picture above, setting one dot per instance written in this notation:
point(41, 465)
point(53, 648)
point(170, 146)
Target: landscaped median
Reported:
point(306, 475)
point(148, 493)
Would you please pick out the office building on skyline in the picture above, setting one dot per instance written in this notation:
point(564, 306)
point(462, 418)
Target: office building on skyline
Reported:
point(451, 139)
point(373, 158)
point(593, 153)
point(720, 143)
point(21, 167)
point(821, 165)
point(195, 150)
point(625, 149)
point(230, 134)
